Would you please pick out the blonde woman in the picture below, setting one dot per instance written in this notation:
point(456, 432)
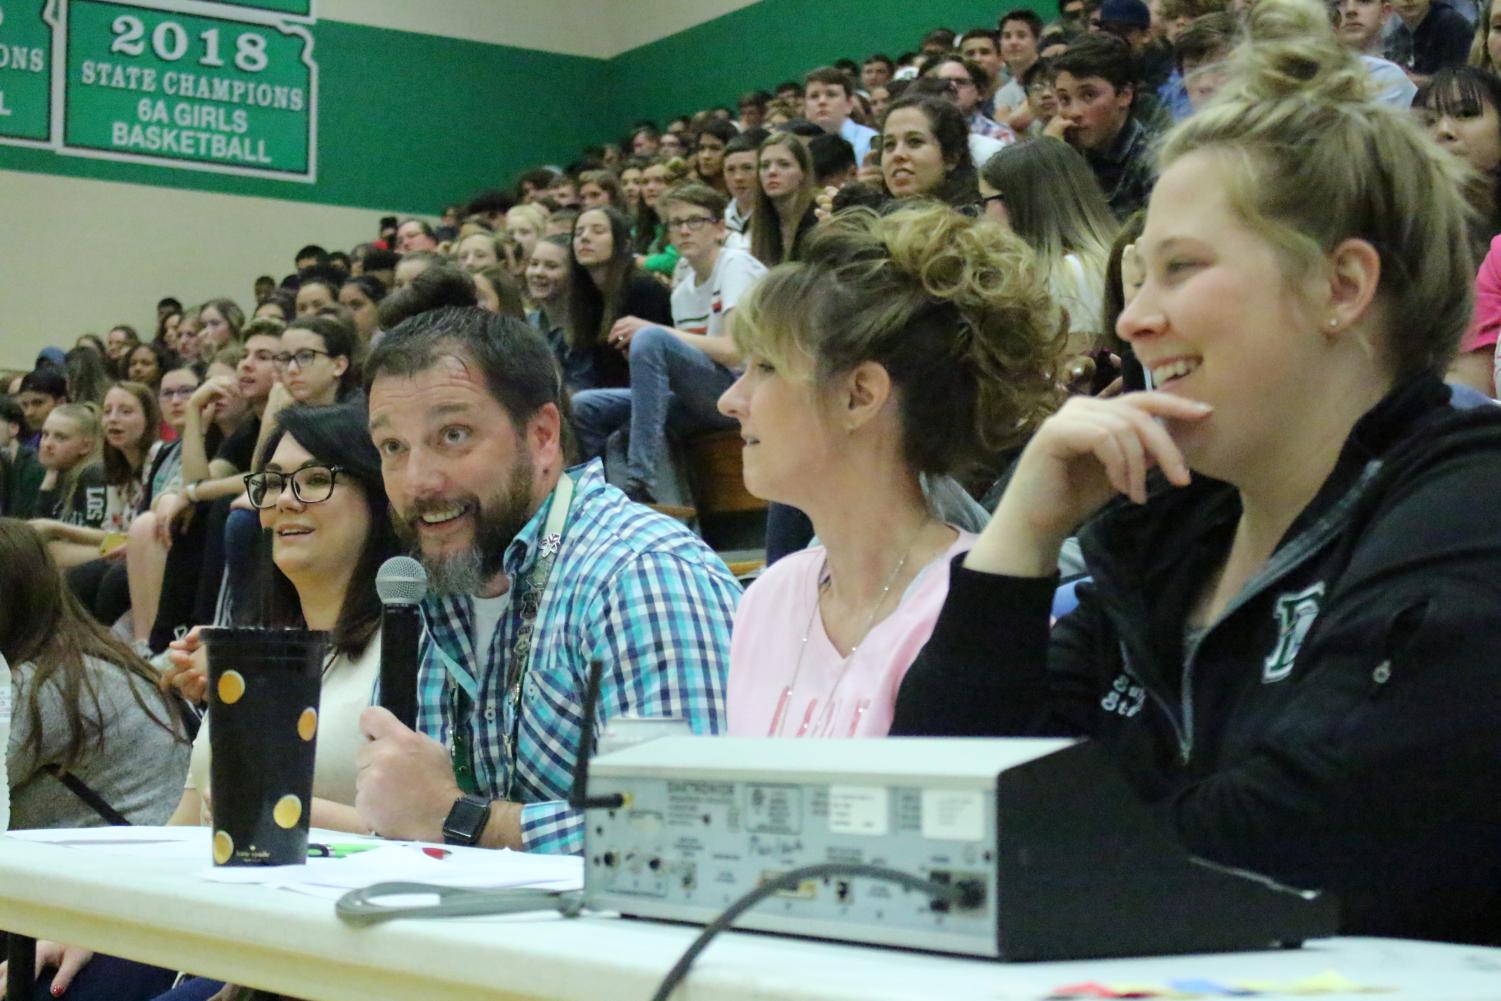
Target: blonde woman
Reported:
point(525, 225)
point(919, 342)
point(107, 495)
point(1486, 50)
point(1289, 645)
point(1045, 193)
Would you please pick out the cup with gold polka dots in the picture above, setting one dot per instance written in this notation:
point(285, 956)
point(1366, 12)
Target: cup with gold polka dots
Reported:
point(263, 734)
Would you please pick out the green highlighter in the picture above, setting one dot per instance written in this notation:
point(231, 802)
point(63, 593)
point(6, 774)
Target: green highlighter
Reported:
point(338, 851)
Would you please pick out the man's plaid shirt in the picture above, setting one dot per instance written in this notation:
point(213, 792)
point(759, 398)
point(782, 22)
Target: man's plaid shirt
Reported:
point(630, 588)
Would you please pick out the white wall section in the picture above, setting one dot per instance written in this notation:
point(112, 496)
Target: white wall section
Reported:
point(82, 255)
point(597, 28)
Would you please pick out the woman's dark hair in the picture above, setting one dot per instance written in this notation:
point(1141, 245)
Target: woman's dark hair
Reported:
point(370, 287)
point(340, 341)
point(92, 341)
point(441, 285)
point(507, 289)
point(593, 309)
point(766, 221)
point(231, 313)
point(959, 186)
point(117, 471)
point(88, 375)
point(320, 276)
point(649, 234)
point(282, 300)
point(339, 436)
point(44, 625)
point(608, 182)
point(165, 359)
point(720, 129)
point(161, 324)
point(1464, 92)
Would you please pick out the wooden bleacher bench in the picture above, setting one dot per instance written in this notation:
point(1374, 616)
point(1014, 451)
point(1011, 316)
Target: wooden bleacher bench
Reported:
point(717, 480)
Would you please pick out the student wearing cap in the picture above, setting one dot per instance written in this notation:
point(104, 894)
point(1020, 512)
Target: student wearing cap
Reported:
point(1131, 22)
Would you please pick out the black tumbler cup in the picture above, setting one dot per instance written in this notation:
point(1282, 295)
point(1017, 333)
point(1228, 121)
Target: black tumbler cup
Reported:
point(263, 730)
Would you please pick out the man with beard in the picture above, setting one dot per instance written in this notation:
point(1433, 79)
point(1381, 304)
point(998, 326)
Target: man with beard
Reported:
point(534, 573)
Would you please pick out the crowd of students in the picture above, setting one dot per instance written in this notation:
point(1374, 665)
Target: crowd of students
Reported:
point(957, 352)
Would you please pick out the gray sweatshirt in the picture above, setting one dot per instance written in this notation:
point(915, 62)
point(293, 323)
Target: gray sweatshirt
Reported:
point(139, 772)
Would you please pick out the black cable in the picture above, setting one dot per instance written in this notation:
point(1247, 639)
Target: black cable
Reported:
point(786, 881)
point(578, 795)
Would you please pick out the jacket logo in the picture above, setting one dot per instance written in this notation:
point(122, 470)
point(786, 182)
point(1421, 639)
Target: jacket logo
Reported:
point(1295, 613)
point(1125, 697)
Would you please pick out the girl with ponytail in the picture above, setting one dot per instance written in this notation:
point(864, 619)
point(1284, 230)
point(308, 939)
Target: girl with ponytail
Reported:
point(919, 342)
point(1289, 642)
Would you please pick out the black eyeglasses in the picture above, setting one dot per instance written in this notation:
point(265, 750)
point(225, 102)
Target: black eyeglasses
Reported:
point(997, 197)
point(310, 485)
point(303, 358)
point(692, 223)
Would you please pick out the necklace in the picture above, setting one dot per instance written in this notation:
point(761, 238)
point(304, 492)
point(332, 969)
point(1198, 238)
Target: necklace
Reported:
point(779, 721)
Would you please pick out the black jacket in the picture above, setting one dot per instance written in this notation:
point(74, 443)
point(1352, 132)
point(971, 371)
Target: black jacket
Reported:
point(1339, 727)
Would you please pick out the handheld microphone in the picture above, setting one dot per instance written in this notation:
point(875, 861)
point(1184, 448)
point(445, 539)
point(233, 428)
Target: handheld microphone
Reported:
point(401, 583)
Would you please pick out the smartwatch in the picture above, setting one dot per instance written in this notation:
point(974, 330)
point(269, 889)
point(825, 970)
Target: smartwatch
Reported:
point(466, 821)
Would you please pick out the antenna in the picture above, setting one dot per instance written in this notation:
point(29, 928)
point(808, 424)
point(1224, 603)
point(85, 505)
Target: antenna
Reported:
point(579, 797)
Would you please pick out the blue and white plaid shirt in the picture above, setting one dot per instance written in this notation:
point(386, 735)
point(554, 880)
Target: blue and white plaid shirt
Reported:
point(630, 588)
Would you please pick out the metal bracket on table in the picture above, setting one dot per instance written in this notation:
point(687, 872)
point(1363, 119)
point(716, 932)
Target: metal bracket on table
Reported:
point(363, 907)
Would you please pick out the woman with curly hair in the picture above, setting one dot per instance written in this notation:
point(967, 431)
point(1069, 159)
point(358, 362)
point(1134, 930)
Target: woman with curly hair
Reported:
point(919, 342)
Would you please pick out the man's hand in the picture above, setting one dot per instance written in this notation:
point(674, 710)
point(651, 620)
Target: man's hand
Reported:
point(624, 329)
point(404, 785)
point(1057, 128)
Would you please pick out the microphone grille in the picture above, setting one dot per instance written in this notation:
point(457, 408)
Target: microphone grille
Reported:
point(401, 580)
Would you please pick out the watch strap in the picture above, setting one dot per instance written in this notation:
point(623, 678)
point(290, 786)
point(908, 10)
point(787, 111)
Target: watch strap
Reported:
point(466, 821)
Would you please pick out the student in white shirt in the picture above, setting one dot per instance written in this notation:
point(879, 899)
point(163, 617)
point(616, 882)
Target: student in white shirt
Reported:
point(678, 372)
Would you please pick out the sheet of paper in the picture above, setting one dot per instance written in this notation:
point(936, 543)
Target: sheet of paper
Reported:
point(82, 837)
point(390, 862)
point(407, 863)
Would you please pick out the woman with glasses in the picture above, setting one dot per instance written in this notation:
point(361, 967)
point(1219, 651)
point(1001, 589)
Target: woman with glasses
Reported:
point(323, 509)
point(968, 82)
point(145, 556)
point(318, 361)
point(323, 512)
